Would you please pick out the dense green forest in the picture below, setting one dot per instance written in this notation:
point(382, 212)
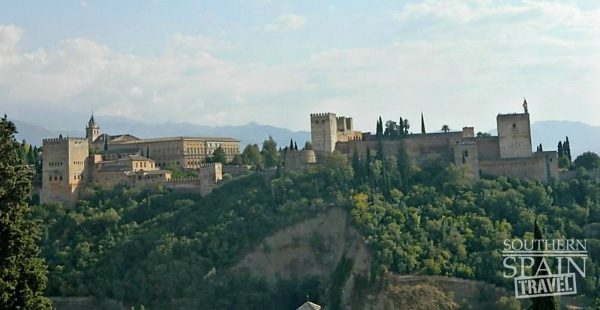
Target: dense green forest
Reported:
point(158, 248)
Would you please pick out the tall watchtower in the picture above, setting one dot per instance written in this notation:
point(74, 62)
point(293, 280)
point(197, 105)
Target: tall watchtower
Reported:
point(323, 131)
point(514, 134)
point(92, 130)
point(64, 169)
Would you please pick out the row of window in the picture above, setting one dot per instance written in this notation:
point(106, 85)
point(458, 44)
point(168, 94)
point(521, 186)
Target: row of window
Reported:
point(56, 163)
point(60, 178)
point(165, 164)
point(152, 176)
point(142, 165)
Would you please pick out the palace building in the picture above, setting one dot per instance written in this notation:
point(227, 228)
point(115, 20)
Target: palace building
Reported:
point(71, 163)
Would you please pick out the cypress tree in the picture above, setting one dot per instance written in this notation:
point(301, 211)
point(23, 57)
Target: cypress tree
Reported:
point(22, 272)
point(567, 149)
point(422, 124)
point(546, 302)
point(380, 151)
point(379, 132)
point(30, 157)
point(401, 126)
point(295, 146)
point(356, 165)
point(291, 145)
point(560, 149)
point(403, 166)
point(368, 163)
point(21, 155)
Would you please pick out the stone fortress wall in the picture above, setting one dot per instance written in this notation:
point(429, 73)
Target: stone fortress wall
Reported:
point(509, 153)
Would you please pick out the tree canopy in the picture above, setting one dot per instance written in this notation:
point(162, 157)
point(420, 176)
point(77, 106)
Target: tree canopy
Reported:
point(588, 160)
point(22, 272)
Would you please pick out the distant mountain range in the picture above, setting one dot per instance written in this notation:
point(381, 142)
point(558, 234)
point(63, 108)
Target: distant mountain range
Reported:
point(249, 134)
point(583, 137)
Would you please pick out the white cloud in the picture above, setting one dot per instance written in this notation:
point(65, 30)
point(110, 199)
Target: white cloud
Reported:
point(136, 92)
point(198, 43)
point(9, 38)
point(463, 64)
point(84, 4)
point(287, 22)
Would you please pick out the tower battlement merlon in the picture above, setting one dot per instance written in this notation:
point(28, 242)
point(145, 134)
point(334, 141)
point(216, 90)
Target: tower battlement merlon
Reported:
point(511, 114)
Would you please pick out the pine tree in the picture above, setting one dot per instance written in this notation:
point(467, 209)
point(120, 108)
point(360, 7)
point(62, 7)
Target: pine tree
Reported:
point(269, 153)
point(22, 272)
point(547, 302)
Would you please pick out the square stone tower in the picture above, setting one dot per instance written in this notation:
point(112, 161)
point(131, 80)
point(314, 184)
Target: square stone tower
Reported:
point(323, 130)
point(64, 169)
point(514, 135)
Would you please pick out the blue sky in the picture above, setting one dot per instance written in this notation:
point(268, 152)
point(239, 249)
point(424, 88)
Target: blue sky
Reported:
point(274, 62)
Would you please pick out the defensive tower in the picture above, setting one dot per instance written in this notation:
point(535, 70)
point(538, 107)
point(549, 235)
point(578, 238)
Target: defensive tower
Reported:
point(514, 134)
point(323, 130)
point(64, 169)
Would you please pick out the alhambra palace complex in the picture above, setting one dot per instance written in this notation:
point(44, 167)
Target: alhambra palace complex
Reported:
point(71, 163)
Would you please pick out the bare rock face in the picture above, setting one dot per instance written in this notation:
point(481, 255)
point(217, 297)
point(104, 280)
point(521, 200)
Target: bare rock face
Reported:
point(310, 248)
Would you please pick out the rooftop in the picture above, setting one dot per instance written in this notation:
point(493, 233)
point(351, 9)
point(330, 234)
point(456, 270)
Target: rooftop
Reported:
point(134, 157)
point(114, 168)
point(167, 139)
point(309, 306)
point(119, 151)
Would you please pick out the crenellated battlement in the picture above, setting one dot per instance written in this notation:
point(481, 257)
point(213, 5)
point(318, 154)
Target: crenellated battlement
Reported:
point(320, 115)
point(175, 180)
point(63, 139)
point(205, 165)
